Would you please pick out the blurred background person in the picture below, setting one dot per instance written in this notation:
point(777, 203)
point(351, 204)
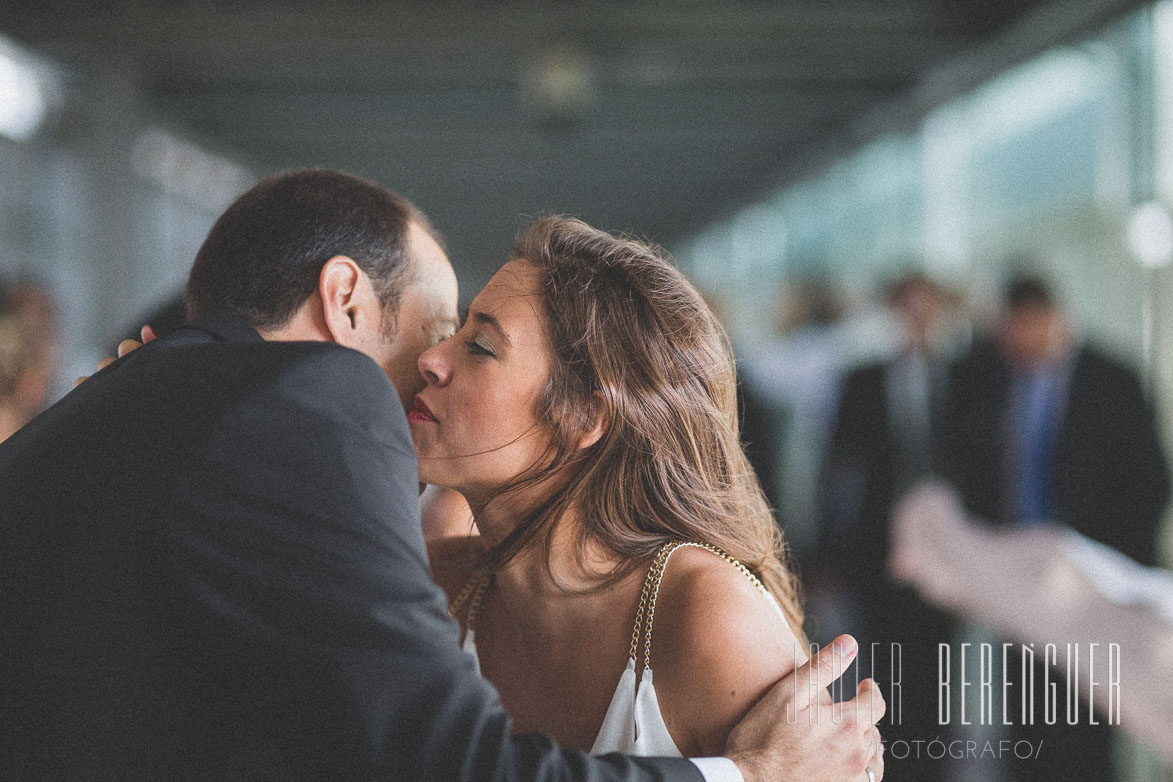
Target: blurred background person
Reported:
point(17, 358)
point(888, 435)
point(28, 354)
point(1047, 584)
point(789, 386)
point(1048, 429)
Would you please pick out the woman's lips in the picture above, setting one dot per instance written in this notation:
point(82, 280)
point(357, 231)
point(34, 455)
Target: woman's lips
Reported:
point(420, 412)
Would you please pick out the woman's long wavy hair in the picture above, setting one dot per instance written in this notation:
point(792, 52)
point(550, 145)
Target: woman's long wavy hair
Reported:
point(624, 322)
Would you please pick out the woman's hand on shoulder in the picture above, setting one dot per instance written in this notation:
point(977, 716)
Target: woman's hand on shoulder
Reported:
point(125, 347)
point(718, 644)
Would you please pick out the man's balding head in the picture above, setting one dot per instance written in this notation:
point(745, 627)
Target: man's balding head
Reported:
point(316, 254)
point(263, 256)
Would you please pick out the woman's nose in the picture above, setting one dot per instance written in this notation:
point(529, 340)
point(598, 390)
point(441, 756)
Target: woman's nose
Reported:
point(433, 365)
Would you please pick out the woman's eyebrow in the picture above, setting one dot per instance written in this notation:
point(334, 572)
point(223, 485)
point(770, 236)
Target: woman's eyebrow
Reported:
point(493, 323)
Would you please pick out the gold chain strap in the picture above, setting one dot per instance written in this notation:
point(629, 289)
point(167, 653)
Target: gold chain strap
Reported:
point(651, 591)
point(651, 581)
point(471, 596)
point(474, 592)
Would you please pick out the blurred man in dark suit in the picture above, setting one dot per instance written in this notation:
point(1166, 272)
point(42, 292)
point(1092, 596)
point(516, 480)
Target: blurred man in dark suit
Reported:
point(887, 436)
point(1048, 430)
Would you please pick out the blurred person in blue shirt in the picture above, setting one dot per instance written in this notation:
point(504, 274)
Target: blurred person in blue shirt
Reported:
point(1048, 429)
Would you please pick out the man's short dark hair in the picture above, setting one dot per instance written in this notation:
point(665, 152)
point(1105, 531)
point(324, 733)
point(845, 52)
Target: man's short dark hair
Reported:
point(1028, 291)
point(263, 257)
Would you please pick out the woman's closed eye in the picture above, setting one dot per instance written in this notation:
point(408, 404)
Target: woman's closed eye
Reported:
point(479, 348)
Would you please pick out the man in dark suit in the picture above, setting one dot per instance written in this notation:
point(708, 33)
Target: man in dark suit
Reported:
point(1045, 430)
point(1049, 429)
point(887, 436)
point(212, 565)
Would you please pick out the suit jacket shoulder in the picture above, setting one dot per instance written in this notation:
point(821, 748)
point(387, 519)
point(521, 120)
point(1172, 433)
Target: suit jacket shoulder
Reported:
point(213, 569)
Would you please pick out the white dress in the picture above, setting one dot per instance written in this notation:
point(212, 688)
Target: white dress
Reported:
point(633, 724)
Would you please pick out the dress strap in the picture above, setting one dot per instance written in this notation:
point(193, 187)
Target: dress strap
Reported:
point(469, 599)
point(646, 612)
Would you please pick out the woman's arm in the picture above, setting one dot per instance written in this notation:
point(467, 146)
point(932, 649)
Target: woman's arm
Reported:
point(718, 644)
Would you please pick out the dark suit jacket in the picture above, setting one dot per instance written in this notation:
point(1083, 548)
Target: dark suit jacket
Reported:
point(1109, 475)
point(861, 486)
point(211, 567)
point(860, 477)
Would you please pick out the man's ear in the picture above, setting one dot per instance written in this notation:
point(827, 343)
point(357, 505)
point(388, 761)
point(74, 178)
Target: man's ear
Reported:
point(601, 416)
point(349, 304)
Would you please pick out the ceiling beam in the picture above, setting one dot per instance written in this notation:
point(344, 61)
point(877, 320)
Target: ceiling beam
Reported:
point(336, 39)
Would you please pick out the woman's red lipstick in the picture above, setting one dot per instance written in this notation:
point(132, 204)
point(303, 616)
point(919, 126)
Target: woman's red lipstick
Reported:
point(420, 412)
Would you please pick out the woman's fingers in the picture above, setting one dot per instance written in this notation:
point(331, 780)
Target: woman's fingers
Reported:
point(101, 365)
point(124, 347)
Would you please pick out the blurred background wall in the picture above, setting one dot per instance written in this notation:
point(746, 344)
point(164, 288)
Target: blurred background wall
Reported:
point(137, 121)
point(1060, 164)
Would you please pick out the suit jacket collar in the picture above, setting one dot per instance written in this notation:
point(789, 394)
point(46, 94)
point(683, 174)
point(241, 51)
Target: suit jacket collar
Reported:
point(226, 326)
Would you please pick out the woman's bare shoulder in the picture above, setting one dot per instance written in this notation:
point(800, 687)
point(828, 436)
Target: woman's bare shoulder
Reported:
point(454, 560)
point(718, 644)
